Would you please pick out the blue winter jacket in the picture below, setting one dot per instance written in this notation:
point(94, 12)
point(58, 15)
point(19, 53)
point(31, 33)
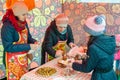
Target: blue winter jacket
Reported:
point(101, 56)
point(10, 35)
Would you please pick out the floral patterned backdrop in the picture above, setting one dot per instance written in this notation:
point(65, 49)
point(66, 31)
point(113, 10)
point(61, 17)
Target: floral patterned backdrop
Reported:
point(78, 12)
point(46, 10)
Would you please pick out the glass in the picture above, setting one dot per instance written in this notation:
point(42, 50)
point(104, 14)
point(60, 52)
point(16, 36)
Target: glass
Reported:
point(68, 71)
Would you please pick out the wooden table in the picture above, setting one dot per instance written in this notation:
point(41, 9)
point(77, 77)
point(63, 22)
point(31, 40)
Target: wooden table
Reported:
point(57, 76)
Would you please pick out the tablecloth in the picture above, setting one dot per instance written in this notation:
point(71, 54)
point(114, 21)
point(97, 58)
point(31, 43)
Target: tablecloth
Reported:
point(57, 76)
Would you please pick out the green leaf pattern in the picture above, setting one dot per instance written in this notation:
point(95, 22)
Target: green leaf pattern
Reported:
point(36, 12)
point(37, 21)
point(43, 21)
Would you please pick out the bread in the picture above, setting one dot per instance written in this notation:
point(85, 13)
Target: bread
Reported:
point(62, 63)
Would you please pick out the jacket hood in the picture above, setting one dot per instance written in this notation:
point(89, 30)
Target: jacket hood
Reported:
point(106, 43)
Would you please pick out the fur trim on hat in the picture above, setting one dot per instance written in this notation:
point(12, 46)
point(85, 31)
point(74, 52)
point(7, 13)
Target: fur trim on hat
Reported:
point(19, 8)
point(95, 25)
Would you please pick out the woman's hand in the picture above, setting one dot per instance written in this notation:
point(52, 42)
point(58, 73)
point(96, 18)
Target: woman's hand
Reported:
point(73, 52)
point(78, 61)
point(72, 44)
point(34, 46)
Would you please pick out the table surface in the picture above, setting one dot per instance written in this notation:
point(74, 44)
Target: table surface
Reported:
point(58, 75)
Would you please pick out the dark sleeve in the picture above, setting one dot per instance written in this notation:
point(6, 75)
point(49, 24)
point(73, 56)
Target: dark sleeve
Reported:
point(7, 36)
point(70, 35)
point(30, 39)
point(90, 64)
point(48, 43)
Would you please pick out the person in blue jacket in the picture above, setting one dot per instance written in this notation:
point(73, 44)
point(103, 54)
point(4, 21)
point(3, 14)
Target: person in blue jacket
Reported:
point(16, 40)
point(101, 49)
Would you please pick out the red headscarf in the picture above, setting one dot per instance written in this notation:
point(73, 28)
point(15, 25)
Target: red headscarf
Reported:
point(18, 25)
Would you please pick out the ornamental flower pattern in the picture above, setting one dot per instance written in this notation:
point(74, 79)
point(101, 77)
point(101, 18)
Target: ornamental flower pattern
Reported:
point(47, 11)
point(116, 8)
point(77, 17)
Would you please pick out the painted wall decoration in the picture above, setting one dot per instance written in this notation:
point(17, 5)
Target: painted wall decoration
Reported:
point(78, 12)
point(46, 10)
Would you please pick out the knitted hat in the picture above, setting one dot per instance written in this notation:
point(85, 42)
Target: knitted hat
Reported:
point(95, 25)
point(62, 20)
point(19, 8)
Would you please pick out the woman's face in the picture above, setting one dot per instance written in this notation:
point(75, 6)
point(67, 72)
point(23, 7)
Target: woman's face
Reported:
point(61, 28)
point(22, 17)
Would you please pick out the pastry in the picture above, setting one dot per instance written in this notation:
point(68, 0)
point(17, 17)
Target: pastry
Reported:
point(46, 71)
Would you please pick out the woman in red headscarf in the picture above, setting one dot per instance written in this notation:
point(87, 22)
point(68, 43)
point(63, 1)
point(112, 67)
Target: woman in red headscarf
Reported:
point(16, 40)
